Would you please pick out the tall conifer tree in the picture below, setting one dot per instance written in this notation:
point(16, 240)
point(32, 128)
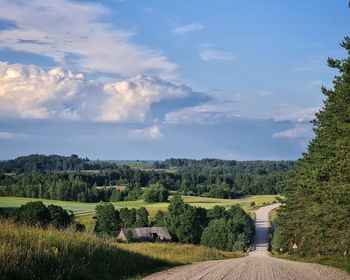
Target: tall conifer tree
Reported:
point(316, 215)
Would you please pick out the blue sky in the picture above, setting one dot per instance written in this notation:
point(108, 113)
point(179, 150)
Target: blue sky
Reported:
point(146, 79)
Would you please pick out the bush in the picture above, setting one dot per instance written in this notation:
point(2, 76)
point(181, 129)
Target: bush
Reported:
point(33, 213)
point(59, 217)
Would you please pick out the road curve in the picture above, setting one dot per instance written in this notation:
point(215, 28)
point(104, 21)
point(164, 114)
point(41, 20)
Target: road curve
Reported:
point(257, 266)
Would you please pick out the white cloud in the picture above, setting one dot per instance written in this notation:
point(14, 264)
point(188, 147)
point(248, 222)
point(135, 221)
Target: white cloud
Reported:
point(148, 133)
point(299, 131)
point(181, 30)
point(208, 55)
point(131, 99)
point(33, 92)
point(76, 33)
point(296, 114)
point(5, 135)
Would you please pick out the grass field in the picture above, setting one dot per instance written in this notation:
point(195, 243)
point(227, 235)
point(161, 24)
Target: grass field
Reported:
point(35, 253)
point(338, 262)
point(85, 211)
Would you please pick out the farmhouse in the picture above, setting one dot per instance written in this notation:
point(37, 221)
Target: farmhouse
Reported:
point(144, 234)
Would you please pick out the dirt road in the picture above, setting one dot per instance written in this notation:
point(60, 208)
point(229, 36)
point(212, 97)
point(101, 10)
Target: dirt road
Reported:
point(257, 266)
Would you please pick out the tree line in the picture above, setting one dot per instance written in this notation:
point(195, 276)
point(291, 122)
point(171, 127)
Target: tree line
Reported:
point(38, 162)
point(210, 178)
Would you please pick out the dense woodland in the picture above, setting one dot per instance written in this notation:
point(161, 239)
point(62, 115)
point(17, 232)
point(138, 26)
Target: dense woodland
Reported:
point(75, 179)
point(316, 214)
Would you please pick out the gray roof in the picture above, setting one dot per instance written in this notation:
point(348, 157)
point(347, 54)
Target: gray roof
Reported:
point(146, 233)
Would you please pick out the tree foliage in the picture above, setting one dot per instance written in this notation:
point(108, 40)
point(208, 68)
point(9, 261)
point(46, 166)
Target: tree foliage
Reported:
point(229, 230)
point(156, 193)
point(36, 213)
point(316, 215)
point(69, 178)
point(107, 219)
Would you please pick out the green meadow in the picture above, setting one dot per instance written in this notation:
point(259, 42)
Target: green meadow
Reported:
point(85, 211)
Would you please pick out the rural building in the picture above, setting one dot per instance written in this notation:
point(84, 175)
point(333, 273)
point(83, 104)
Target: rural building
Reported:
point(144, 234)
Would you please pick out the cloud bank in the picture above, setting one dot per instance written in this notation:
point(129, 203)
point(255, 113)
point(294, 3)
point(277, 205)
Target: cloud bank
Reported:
point(37, 93)
point(76, 33)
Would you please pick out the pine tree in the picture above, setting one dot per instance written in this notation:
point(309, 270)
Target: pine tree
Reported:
point(316, 215)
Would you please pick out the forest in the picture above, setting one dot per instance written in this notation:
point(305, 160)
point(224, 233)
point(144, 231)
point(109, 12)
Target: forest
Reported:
point(75, 179)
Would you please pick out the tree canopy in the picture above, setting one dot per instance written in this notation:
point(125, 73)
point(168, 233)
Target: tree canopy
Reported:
point(316, 214)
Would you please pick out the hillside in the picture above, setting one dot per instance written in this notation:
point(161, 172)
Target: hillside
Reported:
point(75, 179)
point(38, 162)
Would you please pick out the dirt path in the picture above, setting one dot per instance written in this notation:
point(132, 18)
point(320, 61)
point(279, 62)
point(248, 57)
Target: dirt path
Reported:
point(257, 266)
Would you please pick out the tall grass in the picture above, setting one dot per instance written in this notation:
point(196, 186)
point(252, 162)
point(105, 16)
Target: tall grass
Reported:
point(35, 253)
point(342, 262)
point(178, 254)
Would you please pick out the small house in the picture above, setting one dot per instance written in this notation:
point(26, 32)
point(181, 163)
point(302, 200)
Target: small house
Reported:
point(144, 234)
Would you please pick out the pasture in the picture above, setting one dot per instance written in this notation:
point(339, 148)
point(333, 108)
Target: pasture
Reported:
point(85, 211)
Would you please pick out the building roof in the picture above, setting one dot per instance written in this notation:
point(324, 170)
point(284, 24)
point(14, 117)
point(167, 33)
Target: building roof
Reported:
point(146, 233)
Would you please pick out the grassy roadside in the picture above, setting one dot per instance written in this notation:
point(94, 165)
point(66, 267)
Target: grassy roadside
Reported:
point(35, 253)
point(338, 262)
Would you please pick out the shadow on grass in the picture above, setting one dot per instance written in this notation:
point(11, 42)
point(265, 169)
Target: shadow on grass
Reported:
point(81, 263)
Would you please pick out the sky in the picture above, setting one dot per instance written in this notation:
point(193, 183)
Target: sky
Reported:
point(153, 79)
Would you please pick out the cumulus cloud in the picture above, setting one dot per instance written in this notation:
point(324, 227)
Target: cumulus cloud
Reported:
point(298, 131)
point(131, 99)
point(33, 92)
point(209, 55)
point(181, 30)
point(296, 114)
point(76, 33)
point(148, 133)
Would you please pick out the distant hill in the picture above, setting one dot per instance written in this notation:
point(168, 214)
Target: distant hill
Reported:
point(38, 162)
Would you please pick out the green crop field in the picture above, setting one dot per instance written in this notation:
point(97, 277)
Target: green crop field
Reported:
point(85, 211)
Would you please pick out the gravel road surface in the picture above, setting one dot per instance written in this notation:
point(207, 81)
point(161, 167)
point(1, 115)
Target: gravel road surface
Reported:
point(257, 266)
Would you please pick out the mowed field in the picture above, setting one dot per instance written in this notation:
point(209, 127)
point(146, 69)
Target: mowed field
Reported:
point(85, 211)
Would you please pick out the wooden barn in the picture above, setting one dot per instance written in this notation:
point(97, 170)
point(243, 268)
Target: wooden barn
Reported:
point(144, 234)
